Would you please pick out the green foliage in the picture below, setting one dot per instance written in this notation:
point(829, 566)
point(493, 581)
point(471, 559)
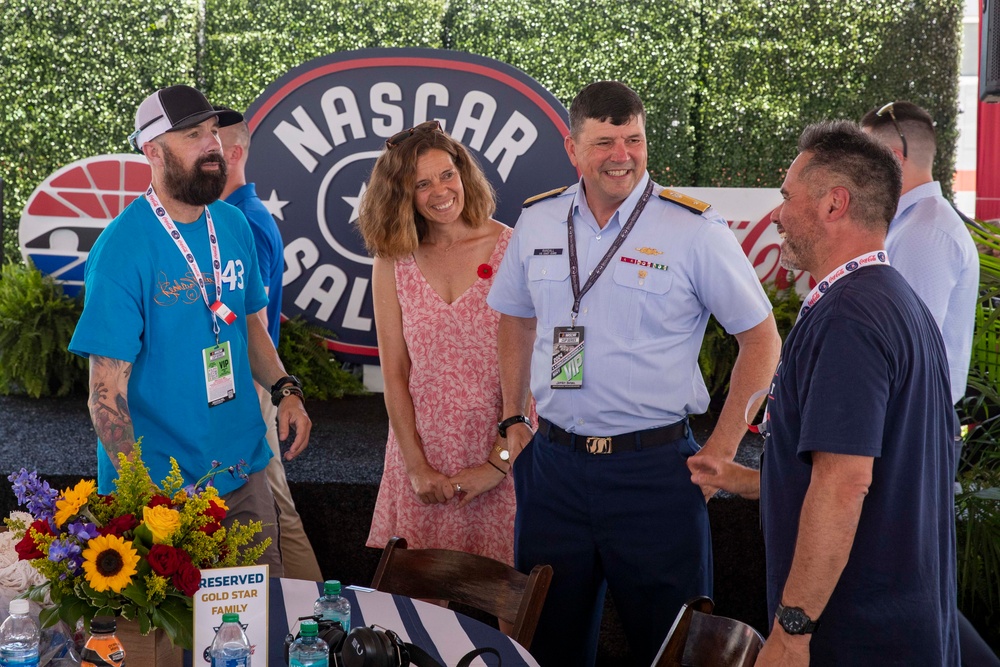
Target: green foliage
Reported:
point(303, 351)
point(36, 323)
point(978, 506)
point(250, 43)
point(650, 45)
point(74, 72)
point(719, 349)
point(770, 68)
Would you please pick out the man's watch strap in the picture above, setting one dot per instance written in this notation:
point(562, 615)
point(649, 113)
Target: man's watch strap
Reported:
point(510, 421)
point(794, 621)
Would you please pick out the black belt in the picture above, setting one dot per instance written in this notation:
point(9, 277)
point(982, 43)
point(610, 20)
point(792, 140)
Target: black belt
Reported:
point(626, 442)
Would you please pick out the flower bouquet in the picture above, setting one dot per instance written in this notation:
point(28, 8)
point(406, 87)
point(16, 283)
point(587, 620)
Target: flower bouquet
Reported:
point(135, 553)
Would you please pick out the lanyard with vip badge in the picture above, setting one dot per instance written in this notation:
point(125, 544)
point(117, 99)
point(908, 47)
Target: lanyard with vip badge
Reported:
point(219, 381)
point(567, 343)
point(868, 259)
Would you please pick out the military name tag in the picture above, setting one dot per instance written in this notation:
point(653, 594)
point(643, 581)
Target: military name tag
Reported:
point(567, 358)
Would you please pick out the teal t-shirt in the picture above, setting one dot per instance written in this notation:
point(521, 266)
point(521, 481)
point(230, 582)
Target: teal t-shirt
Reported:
point(142, 305)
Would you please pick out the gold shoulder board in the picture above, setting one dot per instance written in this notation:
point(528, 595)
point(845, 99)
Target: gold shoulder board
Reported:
point(545, 195)
point(690, 203)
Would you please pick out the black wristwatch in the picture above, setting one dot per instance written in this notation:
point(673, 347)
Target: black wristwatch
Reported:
point(510, 421)
point(794, 621)
point(284, 387)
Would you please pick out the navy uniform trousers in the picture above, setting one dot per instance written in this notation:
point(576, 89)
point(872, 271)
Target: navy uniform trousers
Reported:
point(631, 521)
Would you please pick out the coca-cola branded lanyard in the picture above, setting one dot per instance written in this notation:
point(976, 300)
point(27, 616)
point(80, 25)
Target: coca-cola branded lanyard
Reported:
point(817, 293)
point(171, 229)
point(873, 258)
point(574, 266)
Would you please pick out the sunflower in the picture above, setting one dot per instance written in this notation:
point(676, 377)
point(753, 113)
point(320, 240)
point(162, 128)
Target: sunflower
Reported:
point(109, 562)
point(72, 500)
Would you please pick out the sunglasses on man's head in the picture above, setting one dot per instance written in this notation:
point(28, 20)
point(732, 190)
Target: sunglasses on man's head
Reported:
point(887, 109)
point(400, 137)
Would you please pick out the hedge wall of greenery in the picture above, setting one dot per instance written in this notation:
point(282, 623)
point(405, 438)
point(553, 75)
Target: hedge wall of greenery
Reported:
point(249, 44)
point(770, 68)
point(728, 85)
point(565, 44)
point(72, 73)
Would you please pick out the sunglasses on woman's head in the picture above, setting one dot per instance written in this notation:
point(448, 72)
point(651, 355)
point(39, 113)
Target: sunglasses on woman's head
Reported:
point(400, 137)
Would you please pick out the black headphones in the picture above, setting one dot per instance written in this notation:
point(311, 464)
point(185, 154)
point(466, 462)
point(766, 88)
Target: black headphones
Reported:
point(376, 647)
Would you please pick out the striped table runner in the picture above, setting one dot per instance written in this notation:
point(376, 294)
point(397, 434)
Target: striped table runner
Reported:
point(444, 634)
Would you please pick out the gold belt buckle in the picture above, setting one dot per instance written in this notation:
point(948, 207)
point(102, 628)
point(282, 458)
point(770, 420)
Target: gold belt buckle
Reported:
point(598, 445)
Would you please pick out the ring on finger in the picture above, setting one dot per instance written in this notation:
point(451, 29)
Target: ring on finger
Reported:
point(458, 487)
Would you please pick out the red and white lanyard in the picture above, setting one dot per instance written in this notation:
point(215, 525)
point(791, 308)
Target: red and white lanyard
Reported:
point(817, 293)
point(217, 308)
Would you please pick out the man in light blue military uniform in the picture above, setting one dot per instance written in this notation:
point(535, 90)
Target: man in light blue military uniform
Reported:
point(605, 291)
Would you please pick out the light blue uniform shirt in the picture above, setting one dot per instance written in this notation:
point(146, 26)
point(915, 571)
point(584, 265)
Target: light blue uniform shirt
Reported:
point(929, 244)
point(643, 325)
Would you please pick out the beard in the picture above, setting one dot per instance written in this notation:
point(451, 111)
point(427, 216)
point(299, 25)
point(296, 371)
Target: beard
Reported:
point(195, 187)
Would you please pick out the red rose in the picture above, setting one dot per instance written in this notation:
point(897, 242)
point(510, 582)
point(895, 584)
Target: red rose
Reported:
point(484, 271)
point(187, 579)
point(119, 525)
point(215, 510)
point(166, 560)
point(156, 501)
point(27, 549)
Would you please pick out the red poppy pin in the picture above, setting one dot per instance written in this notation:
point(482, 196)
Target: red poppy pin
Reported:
point(484, 271)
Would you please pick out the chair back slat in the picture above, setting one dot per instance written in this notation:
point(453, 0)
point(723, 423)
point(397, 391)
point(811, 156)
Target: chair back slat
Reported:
point(699, 639)
point(468, 579)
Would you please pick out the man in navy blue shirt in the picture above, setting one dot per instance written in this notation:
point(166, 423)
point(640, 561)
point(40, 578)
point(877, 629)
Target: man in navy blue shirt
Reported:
point(296, 551)
point(857, 505)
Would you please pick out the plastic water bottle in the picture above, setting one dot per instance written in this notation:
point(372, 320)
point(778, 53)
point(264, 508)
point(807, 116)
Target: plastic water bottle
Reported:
point(19, 637)
point(103, 648)
point(332, 607)
point(230, 648)
point(309, 650)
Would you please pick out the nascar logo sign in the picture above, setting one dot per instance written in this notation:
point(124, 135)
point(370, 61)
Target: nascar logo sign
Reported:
point(317, 131)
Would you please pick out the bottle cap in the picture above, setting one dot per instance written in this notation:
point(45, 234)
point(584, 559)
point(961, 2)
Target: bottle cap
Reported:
point(331, 587)
point(309, 629)
point(231, 618)
point(19, 607)
point(102, 625)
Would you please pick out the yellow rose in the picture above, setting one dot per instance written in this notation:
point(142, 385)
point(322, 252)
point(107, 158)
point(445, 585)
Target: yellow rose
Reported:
point(161, 521)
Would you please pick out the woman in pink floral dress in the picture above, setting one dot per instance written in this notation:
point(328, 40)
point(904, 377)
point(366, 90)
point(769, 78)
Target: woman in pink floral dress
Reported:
point(426, 218)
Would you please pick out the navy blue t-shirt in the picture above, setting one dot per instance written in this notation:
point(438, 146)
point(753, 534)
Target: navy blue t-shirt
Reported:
point(865, 373)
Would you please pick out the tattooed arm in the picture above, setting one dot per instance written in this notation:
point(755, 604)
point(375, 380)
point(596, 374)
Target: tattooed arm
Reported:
point(109, 405)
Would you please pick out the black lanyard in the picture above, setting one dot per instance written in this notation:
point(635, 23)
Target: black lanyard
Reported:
point(574, 268)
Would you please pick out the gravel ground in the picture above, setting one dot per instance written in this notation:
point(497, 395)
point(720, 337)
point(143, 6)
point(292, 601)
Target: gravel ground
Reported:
point(54, 436)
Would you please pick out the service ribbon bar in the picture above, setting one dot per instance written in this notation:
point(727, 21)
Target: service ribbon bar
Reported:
point(642, 262)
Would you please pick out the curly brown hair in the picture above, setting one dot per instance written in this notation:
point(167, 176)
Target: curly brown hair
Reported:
point(388, 220)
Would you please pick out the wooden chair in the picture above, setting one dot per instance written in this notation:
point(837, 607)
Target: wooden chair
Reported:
point(699, 639)
point(475, 581)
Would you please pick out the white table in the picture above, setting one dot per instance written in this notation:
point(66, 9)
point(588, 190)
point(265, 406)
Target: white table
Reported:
point(446, 635)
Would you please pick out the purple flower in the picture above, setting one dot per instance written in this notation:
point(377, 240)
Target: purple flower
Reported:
point(62, 549)
point(36, 495)
point(83, 531)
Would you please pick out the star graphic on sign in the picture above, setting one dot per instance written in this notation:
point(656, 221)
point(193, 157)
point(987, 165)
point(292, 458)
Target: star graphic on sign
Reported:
point(355, 202)
point(275, 205)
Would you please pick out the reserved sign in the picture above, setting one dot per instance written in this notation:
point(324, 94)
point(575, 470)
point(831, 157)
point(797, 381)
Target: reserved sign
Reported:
point(238, 590)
